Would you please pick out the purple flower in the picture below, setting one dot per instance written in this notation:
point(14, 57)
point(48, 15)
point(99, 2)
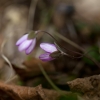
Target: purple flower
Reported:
point(24, 44)
point(49, 48)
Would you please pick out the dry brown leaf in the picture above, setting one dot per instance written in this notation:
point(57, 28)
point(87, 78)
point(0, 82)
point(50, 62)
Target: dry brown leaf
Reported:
point(89, 86)
point(13, 92)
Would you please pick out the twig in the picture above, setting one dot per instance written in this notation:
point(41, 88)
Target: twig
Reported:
point(31, 14)
point(7, 60)
point(69, 41)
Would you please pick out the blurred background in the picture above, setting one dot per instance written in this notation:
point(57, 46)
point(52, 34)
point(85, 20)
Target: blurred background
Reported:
point(76, 20)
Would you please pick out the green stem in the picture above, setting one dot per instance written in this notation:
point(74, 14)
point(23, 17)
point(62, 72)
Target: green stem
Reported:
point(49, 80)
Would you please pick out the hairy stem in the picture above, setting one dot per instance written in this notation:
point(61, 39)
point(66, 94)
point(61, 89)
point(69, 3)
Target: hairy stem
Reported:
point(78, 47)
point(81, 55)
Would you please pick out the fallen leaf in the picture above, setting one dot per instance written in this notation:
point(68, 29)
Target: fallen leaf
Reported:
point(14, 92)
point(89, 86)
point(32, 69)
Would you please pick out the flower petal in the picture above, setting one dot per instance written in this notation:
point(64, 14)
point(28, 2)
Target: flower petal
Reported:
point(31, 47)
point(48, 47)
point(45, 57)
point(24, 45)
point(23, 38)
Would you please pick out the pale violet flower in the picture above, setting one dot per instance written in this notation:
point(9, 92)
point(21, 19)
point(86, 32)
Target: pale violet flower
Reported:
point(49, 48)
point(25, 44)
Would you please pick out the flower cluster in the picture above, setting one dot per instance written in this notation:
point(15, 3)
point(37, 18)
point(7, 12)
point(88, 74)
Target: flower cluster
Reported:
point(28, 41)
point(27, 45)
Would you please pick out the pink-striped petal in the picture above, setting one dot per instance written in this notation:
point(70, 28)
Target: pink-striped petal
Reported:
point(22, 39)
point(31, 47)
point(45, 57)
point(48, 47)
point(24, 45)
